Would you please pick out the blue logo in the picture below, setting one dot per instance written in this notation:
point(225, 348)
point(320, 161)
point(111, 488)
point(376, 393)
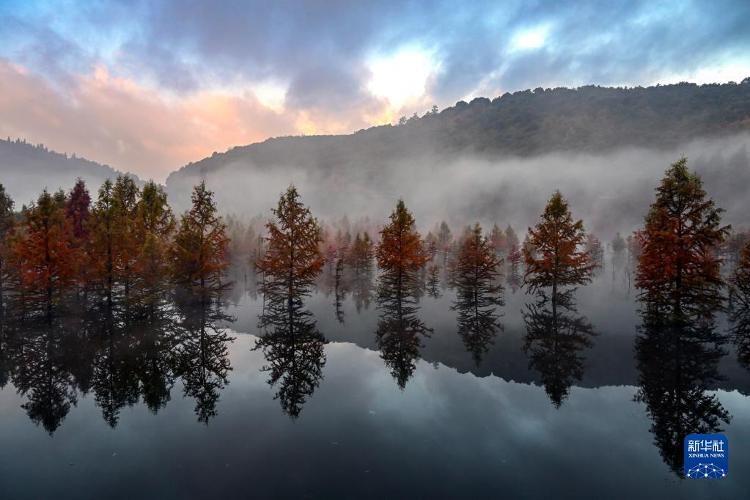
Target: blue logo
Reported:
point(706, 456)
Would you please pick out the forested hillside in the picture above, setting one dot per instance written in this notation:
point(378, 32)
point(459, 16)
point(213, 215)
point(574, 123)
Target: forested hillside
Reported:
point(25, 168)
point(573, 136)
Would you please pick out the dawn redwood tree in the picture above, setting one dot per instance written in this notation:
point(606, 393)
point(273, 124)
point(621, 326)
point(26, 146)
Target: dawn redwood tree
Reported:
point(741, 276)
point(104, 242)
point(498, 240)
point(511, 239)
point(679, 267)
point(6, 229)
point(554, 255)
point(125, 196)
point(444, 240)
point(78, 210)
point(293, 258)
point(361, 255)
point(200, 254)
point(595, 250)
point(400, 254)
point(45, 254)
point(475, 272)
point(154, 226)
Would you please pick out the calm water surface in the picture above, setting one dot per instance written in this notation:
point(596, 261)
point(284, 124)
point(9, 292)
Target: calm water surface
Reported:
point(140, 416)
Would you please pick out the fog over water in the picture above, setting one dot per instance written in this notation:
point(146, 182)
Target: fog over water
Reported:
point(610, 192)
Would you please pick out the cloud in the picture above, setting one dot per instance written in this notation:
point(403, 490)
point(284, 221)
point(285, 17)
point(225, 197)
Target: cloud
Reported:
point(312, 63)
point(117, 121)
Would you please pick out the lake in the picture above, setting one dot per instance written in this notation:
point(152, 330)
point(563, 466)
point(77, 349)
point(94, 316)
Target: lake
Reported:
point(95, 408)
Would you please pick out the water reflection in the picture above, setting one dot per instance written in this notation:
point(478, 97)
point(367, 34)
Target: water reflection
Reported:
point(121, 354)
point(42, 373)
point(399, 335)
point(202, 359)
point(556, 337)
point(739, 317)
point(293, 349)
point(677, 363)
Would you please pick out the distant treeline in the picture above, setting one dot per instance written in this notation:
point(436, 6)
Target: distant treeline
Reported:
point(127, 245)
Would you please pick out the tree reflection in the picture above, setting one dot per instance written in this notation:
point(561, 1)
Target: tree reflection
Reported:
point(119, 354)
point(400, 332)
point(42, 374)
point(202, 355)
point(474, 273)
point(477, 328)
point(294, 351)
point(115, 379)
point(677, 362)
point(556, 336)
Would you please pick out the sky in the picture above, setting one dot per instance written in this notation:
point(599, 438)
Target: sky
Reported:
point(148, 86)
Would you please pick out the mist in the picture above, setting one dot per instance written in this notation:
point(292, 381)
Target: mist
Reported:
point(611, 192)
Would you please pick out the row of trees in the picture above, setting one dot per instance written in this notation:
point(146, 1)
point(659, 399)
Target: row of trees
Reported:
point(125, 246)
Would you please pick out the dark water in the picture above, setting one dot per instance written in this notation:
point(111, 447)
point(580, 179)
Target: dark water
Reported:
point(103, 411)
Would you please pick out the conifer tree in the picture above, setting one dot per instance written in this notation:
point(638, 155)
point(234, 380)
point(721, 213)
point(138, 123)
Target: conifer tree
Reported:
point(444, 240)
point(679, 267)
point(125, 196)
point(78, 212)
point(474, 272)
point(155, 224)
point(45, 254)
point(6, 229)
point(78, 208)
point(293, 259)
point(200, 250)
point(741, 277)
point(104, 247)
point(498, 240)
point(557, 258)
point(400, 254)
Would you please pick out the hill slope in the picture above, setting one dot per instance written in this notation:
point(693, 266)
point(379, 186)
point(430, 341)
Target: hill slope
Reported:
point(494, 150)
point(26, 169)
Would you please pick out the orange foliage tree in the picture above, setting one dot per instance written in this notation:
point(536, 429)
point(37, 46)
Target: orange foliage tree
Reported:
point(6, 228)
point(153, 230)
point(293, 258)
point(200, 254)
point(45, 254)
point(679, 268)
point(554, 254)
point(400, 254)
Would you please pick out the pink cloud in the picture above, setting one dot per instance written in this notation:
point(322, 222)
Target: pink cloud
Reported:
point(129, 126)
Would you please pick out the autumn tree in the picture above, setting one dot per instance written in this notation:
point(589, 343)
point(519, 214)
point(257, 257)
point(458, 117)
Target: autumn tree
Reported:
point(556, 339)
point(679, 268)
point(45, 254)
point(153, 230)
point(475, 275)
point(6, 228)
point(293, 259)
point(200, 250)
point(498, 240)
point(511, 239)
point(475, 271)
point(125, 197)
point(400, 254)
point(78, 210)
point(595, 249)
point(557, 258)
point(361, 254)
point(741, 277)
point(104, 248)
point(444, 240)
